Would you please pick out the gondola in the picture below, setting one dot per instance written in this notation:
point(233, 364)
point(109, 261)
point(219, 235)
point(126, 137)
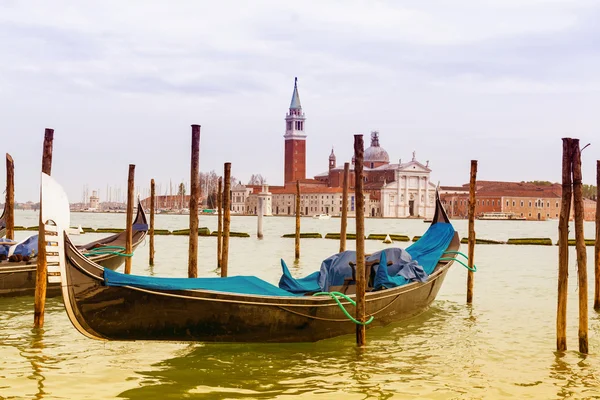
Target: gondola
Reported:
point(18, 278)
point(106, 305)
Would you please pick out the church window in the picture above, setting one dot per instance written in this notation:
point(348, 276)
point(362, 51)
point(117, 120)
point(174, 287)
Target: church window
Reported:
point(523, 203)
point(530, 205)
point(289, 125)
point(514, 203)
point(548, 206)
point(506, 203)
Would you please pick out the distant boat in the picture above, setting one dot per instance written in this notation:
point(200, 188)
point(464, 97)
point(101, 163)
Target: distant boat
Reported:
point(501, 216)
point(322, 216)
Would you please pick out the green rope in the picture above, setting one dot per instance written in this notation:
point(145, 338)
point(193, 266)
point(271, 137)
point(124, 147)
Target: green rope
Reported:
point(335, 296)
point(111, 250)
point(474, 269)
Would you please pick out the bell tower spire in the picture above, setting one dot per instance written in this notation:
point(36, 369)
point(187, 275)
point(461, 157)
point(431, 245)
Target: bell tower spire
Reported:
point(295, 140)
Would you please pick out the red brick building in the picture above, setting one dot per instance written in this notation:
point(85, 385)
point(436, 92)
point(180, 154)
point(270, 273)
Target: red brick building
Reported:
point(527, 200)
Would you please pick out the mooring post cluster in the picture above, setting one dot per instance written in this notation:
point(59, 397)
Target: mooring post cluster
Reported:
point(571, 191)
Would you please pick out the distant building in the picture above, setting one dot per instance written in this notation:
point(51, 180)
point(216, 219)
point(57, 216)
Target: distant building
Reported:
point(528, 200)
point(94, 201)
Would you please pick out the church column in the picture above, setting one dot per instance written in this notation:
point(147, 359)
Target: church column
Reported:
point(426, 197)
point(419, 197)
point(397, 203)
point(406, 214)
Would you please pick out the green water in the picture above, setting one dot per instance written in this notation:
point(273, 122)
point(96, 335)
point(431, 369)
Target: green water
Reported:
point(501, 347)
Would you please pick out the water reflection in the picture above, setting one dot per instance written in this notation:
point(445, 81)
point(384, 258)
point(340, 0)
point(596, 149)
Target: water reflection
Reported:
point(394, 354)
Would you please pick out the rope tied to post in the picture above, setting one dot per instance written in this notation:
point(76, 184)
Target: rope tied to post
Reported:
point(336, 296)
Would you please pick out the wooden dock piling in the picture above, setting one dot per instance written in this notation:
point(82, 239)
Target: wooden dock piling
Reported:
point(42, 271)
point(344, 218)
point(226, 218)
point(563, 247)
point(194, 196)
point(152, 207)
point(128, 227)
point(10, 198)
point(580, 248)
point(471, 252)
point(361, 278)
point(297, 237)
point(219, 222)
point(597, 244)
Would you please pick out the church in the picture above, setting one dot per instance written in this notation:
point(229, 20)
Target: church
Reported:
point(399, 190)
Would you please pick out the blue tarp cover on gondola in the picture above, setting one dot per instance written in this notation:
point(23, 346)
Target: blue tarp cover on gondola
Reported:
point(413, 264)
point(233, 284)
point(28, 247)
point(5, 245)
point(426, 253)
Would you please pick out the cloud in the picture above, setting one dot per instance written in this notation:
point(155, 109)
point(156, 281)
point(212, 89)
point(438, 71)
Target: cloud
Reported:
point(448, 79)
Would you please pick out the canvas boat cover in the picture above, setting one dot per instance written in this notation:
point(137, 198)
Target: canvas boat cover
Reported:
point(422, 258)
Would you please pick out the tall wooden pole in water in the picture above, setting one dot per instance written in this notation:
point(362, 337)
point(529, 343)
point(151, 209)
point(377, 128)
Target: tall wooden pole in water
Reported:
point(194, 196)
point(471, 253)
point(297, 235)
point(597, 246)
point(10, 198)
point(152, 206)
point(226, 218)
point(344, 222)
point(42, 271)
point(581, 250)
point(219, 222)
point(259, 222)
point(361, 279)
point(128, 227)
point(563, 247)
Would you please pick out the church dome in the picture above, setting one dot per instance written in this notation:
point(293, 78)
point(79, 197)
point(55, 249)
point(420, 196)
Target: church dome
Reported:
point(375, 153)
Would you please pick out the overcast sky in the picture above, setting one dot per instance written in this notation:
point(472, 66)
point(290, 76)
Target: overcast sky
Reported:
point(122, 81)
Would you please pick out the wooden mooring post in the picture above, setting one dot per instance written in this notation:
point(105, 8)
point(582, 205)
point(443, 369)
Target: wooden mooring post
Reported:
point(10, 198)
point(128, 227)
point(597, 245)
point(194, 196)
point(361, 279)
point(563, 247)
point(297, 236)
point(344, 218)
point(42, 271)
point(220, 221)
point(152, 206)
point(471, 252)
point(580, 248)
point(226, 218)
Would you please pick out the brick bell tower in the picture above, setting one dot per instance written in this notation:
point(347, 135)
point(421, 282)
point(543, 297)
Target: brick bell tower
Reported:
point(295, 140)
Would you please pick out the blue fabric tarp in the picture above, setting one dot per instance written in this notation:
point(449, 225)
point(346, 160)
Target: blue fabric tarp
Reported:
point(233, 284)
point(28, 247)
point(299, 286)
point(415, 263)
point(5, 245)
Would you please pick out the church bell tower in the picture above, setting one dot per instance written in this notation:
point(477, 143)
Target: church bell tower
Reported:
point(295, 140)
